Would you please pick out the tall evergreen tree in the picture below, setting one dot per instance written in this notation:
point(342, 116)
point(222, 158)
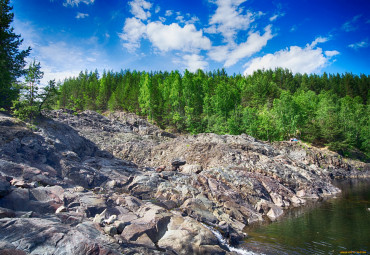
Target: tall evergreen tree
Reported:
point(12, 59)
point(145, 96)
point(269, 104)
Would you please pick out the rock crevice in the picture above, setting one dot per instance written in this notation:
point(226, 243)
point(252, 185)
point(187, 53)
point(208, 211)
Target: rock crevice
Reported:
point(84, 183)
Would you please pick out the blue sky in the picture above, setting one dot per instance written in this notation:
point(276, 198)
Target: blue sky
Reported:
point(312, 36)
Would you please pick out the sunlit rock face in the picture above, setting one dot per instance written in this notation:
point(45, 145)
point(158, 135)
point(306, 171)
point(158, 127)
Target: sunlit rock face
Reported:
point(84, 183)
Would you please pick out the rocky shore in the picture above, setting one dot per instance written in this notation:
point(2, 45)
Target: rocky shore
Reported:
point(84, 183)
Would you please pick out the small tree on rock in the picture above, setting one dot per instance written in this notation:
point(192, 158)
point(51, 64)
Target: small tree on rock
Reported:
point(27, 106)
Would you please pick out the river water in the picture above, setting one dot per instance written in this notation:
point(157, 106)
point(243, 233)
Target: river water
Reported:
point(338, 225)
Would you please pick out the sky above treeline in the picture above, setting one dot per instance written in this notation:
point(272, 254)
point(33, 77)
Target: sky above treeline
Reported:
point(305, 36)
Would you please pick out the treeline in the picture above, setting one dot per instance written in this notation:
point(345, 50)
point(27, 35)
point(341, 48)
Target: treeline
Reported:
point(270, 105)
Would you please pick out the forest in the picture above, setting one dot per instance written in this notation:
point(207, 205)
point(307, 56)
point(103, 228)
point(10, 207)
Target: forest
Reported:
point(272, 105)
point(327, 110)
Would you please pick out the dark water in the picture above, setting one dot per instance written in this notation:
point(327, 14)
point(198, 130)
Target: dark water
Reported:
point(334, 226)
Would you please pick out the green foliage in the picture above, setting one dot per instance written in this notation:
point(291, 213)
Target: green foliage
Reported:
point(31, 102)
point(145, 96)
point(27, 107)
point(32, 82)
point(24, 111)
point(272, 105)
point(12, 60)
point(48, 97)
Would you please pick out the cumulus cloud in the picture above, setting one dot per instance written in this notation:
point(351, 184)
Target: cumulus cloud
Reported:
point(133, 31)
point(297, 59)
point(188, 42)
point(254, 44)
point(81, 15)
point(140, 9)
point(219, 53)
point(164, 37)
point(362, 44)
point(175, 37)
point(229, 19)
point(193, 62)
point(77, 2)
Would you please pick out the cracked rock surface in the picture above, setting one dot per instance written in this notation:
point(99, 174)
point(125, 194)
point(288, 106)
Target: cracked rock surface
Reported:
point(84, 183)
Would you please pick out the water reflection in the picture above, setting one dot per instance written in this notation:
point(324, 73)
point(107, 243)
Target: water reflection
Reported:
point(331, 226)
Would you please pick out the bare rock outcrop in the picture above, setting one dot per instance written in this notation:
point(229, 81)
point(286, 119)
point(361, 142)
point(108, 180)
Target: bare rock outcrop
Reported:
point(84, 183)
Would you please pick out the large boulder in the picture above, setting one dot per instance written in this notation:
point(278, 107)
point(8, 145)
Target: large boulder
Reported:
point(195, 238)
point(191, 169)
point(40, 199)
point(152, 221)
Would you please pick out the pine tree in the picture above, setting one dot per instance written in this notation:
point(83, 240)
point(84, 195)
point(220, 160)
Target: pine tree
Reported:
point(12, 60)
point(28, 106)
point(145, 95)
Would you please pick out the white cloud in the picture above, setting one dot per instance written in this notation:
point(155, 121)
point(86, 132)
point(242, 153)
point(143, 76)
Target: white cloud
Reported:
point(318, 40)
point(219, 53)
point(276, 16)
point(157, 9)
point(229, 19)
point(188, 41)
point(163, 37)
point(169, 13)
point(174, 37)
point(77, 2)
point(81, 15)
point(331, 53)
point(50, 74)
point(180, 19)
point(351, 25)
point(60, 59)
point(362, 44)
point(133, 31)
point(194, 62)
point(254, 44)
point(29, 34)
point(193, 19)
point(139, 8)
point(297, 59)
